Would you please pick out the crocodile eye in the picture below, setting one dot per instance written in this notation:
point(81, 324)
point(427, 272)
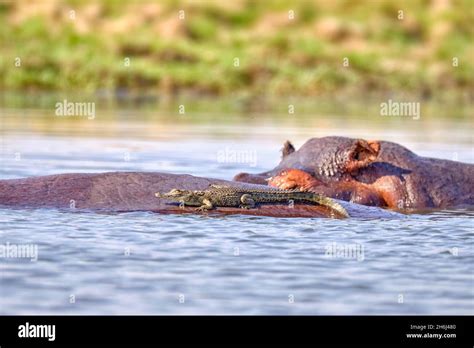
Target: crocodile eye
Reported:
point(175, 192)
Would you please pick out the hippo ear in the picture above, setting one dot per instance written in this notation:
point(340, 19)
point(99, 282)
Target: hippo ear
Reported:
point(366, 149)
point(287, 149)
point(362, 154)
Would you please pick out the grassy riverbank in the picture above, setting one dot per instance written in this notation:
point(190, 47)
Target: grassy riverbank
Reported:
point(239, 48)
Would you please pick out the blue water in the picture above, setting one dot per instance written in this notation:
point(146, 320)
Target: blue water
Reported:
point(138, 263)
point(144, 263)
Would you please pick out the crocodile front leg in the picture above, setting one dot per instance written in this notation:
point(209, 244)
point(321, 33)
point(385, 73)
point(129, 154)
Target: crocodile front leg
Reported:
point(206, 205)
point(247, 201)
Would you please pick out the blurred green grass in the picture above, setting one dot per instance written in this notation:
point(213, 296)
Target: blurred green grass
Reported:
point(277, 56)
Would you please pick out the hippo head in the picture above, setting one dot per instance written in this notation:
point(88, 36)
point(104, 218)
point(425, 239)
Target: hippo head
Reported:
point(327, 159)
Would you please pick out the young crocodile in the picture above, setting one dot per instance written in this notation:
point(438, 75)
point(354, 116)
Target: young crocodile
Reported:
point(228, 196)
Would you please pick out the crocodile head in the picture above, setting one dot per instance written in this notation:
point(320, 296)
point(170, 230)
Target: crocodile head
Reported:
point(192, 198)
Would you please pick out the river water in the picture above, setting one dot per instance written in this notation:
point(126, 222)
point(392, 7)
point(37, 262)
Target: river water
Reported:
point(144, 263)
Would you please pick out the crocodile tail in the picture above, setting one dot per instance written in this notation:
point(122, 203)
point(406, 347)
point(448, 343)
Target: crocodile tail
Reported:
point(330, 203)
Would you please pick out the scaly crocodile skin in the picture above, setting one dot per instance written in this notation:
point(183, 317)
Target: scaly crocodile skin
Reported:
point(228, 196)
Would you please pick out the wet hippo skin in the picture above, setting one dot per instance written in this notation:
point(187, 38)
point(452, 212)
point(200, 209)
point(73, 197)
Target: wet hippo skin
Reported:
point(134, 191)
point(377, 173)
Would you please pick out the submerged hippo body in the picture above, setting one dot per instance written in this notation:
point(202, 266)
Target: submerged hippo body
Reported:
point(135, 191)
point(376, 173)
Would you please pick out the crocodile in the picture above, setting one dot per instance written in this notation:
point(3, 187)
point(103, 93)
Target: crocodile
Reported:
point(246, 198)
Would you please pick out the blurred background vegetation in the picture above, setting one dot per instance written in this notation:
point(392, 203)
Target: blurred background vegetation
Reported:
point(86, 50)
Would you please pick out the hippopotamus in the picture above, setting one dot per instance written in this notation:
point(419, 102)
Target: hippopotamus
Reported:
point(370, 172)
point(135, 191)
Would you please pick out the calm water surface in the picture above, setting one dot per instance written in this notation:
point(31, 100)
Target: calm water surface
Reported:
point(144, 263)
